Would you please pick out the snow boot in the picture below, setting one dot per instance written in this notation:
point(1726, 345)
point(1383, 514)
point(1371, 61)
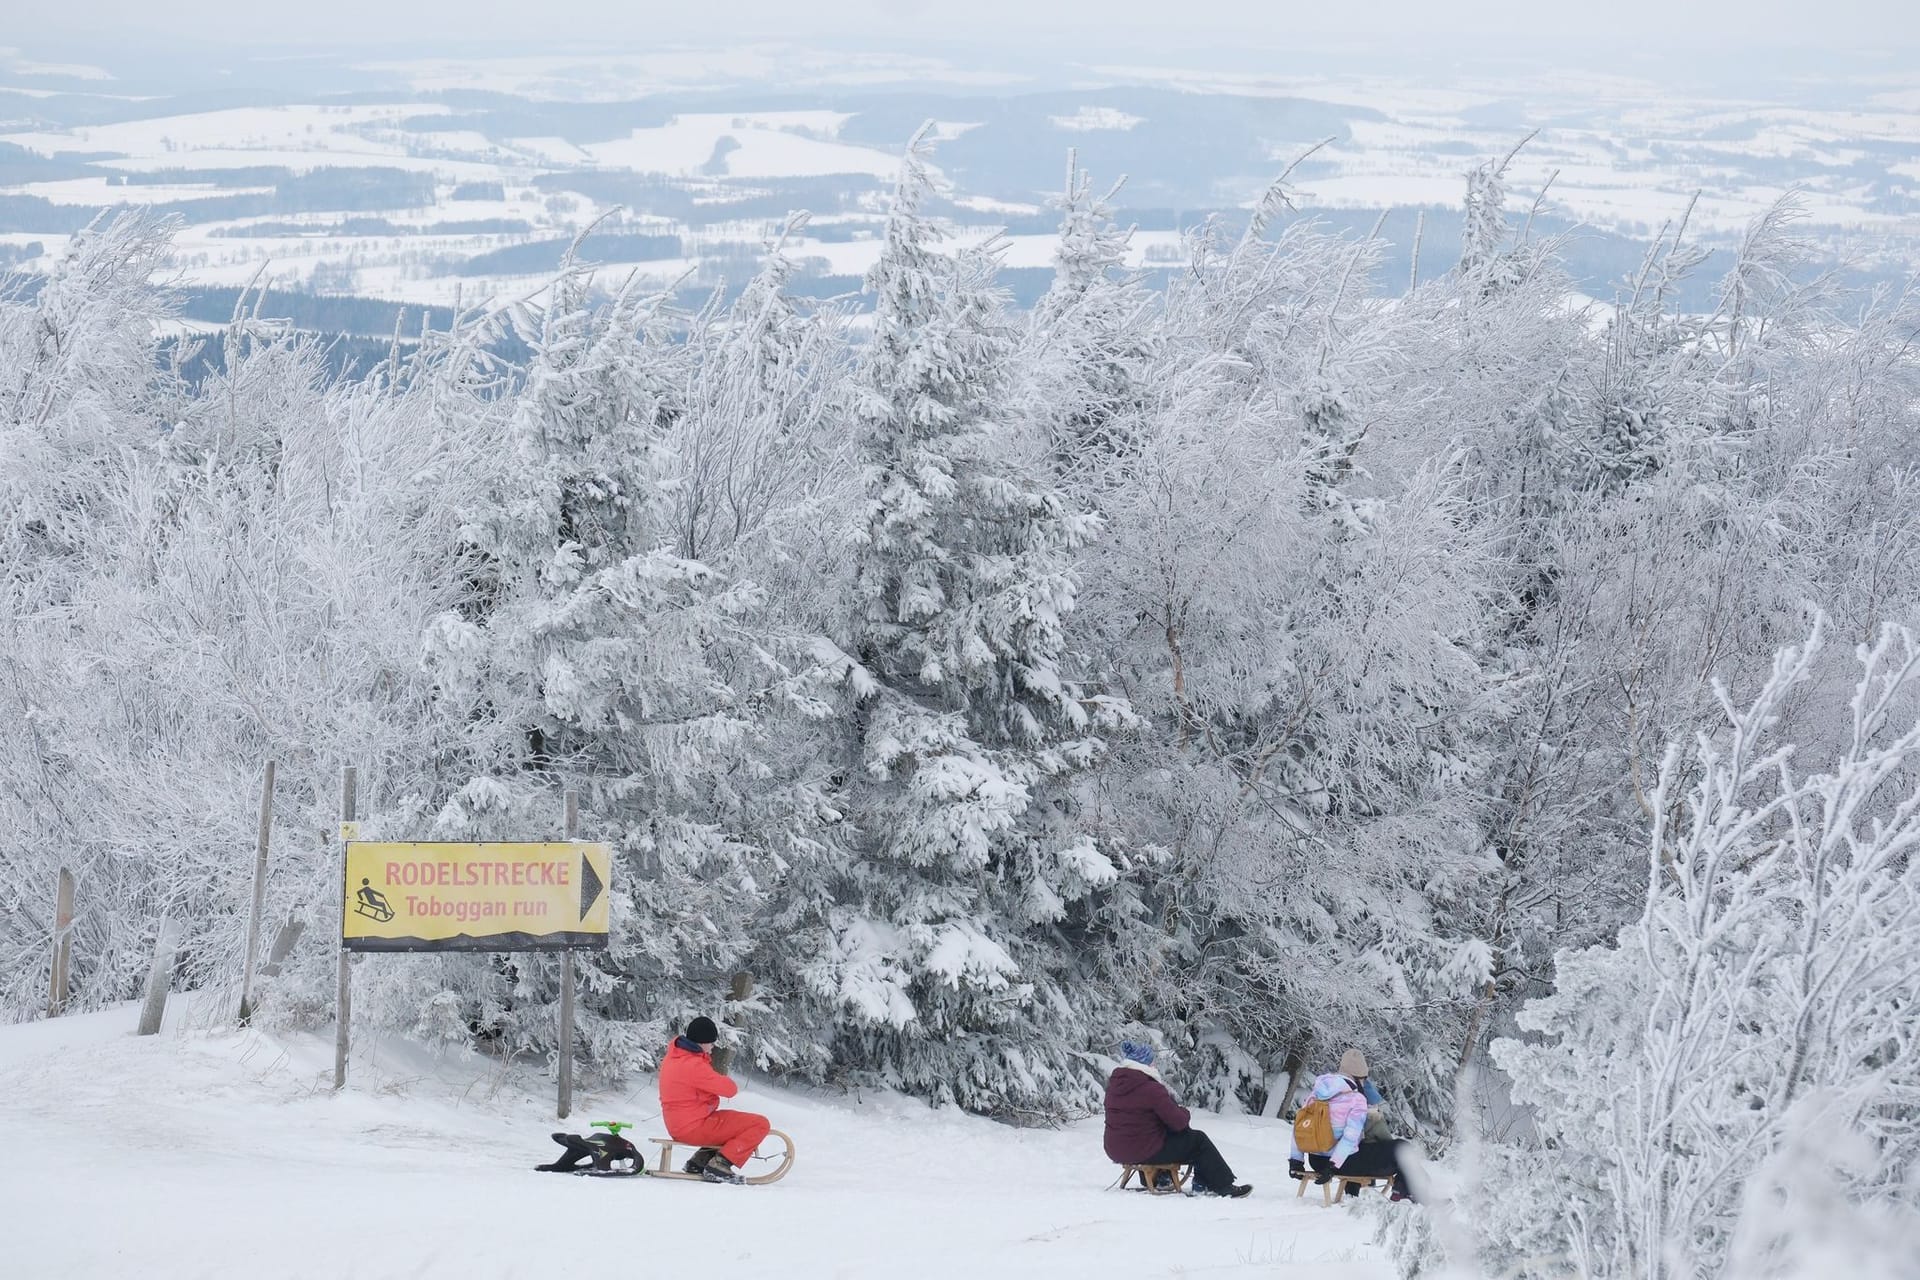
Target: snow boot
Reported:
point(718, 1168)
point(697, 1162)
point(1238, 1192)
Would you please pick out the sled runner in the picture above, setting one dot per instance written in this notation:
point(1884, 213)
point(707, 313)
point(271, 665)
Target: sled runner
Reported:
point(1150, 1175)
point(1334, 1189)
point(664, 1164)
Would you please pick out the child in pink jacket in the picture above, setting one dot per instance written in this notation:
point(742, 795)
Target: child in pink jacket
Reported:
point(1351, 1154)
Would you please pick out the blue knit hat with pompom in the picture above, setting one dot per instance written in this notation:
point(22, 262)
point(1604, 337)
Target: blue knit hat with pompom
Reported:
point(1141, 1053)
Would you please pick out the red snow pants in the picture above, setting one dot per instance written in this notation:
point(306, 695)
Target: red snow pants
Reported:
point(736, 1133)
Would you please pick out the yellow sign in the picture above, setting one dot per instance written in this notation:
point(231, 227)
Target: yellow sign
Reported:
point(475, 897)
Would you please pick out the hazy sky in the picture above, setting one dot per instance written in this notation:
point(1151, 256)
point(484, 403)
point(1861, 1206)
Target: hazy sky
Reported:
point(1525, 27)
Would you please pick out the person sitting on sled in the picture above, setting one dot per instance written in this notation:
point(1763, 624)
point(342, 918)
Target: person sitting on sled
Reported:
point(1346, 1094)
point(690, 1093)
point(1146, 1126)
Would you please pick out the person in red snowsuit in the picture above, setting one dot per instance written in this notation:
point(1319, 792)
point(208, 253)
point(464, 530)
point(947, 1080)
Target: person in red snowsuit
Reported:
point(690, 1093)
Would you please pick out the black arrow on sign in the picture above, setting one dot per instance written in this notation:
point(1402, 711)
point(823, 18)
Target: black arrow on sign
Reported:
point(590, 886)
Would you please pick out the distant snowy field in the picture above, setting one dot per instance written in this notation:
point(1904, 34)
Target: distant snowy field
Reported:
point(1622, 154)
point(226, 1154)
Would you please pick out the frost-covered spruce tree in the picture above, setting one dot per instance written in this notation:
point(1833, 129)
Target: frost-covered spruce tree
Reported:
point(1488, 263)
point(1084, 369)
point(959, 927)
point(594, 656)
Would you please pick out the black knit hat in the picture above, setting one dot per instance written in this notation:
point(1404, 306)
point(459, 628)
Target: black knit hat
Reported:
point(702, 1031)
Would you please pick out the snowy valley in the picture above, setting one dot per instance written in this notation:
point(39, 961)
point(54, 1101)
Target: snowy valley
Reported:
point(437, 182)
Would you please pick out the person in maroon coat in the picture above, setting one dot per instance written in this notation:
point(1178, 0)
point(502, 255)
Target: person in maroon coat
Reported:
point(1146, 1126)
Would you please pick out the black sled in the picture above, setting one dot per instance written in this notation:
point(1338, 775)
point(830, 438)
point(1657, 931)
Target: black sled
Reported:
point(599, 1155)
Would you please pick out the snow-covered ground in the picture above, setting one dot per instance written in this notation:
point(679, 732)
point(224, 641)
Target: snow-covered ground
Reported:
point(227, 1154)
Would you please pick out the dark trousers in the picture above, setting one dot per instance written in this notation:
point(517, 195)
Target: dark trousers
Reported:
point(1370, 1160)
point(1210, 1170)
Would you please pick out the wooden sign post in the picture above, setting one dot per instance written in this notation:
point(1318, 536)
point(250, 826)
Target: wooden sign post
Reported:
point(259, 896)
point(572, 830)
point(343, 993)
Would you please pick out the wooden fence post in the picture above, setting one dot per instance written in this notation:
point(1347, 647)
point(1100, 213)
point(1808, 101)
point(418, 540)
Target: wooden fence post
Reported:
point(259, 896)
point(736, 994)
point(572, 829)
point(159, 980)
point(1279, 1088)
point(62, 943)
point(1294, 1063)
point(343, 994)
point(283, 946)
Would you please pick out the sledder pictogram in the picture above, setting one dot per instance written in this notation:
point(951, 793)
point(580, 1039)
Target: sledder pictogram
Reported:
point(370, 902)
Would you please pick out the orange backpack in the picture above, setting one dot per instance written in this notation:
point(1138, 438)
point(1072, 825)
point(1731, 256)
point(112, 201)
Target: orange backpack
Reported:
point(1313, 1127)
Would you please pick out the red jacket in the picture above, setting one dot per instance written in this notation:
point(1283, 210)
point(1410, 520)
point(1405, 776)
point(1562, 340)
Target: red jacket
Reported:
point(690, 1089)
point(1140, 1115)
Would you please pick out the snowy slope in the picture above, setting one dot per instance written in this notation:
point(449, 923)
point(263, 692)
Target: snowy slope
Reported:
point(227, 1155)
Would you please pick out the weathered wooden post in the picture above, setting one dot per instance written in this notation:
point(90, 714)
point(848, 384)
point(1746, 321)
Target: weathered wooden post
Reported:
point(62, 942)
point(259, 896)
point(283, 943)
point(736, 994)
point(1280, 1084)
point(159, 980)
point(343, 995)
point(1294, 1063)
point(572, 831)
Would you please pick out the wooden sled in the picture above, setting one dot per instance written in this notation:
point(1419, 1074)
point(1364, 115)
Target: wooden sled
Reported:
point(665, 1166)
point(1334, 1189)
point(1149, 1175)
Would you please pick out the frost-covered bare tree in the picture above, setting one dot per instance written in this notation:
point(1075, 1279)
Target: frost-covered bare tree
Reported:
point(262, 561)
point(82, 390)
point(1300, 631)
point(755, 457)
point(1759, 1011)
point(1645, 536)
